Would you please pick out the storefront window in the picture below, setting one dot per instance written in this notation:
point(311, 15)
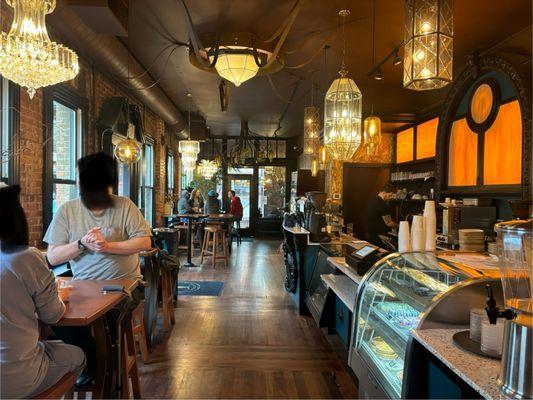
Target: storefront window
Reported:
point(271, 192)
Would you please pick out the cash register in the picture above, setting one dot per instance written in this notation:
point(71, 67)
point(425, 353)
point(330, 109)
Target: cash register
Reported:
point(360, 255)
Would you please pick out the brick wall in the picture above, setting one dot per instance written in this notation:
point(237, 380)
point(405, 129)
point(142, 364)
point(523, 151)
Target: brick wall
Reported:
point(96, 87)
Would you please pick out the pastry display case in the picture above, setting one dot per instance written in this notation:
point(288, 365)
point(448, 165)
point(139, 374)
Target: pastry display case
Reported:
point(403, 292)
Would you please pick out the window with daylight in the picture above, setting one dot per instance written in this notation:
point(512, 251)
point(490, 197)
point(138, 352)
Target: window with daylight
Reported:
point(65, 118)
point(66, 149)
point(170, 172)
point(146, 188)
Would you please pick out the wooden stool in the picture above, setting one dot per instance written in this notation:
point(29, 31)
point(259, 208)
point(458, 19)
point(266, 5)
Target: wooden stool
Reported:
point(167, 297)
point(182, 233)
point(214, 235)
point(138, 331)
point(129, 363)
point(197, 231)
point(62, 389)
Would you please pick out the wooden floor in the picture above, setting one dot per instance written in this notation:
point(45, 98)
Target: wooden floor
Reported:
point(249, 342)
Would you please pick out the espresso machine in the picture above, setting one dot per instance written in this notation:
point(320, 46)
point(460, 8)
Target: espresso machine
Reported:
point(515, 253)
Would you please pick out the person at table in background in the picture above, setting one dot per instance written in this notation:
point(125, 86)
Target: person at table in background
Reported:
point(379, 220)
point(196, 201)
point(235, 207)
point(100, 235)
point(212, 204)
point(29, 292)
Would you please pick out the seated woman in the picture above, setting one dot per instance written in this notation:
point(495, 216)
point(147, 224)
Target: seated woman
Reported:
point(212, 205)
point(28, 366)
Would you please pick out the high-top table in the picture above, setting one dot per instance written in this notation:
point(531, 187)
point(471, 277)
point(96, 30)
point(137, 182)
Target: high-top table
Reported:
point(190, 217)
point(104, 312)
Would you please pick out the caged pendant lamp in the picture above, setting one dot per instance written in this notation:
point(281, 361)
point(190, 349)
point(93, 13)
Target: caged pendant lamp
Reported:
point(428, 51)
point(342, 111)
point(311, 125)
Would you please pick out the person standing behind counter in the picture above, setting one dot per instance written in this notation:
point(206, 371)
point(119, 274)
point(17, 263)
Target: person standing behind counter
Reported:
point(379, 220)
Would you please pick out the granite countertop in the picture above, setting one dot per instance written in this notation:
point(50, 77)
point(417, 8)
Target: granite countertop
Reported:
point(344, 288)
point(479, 372)
point(340, 264)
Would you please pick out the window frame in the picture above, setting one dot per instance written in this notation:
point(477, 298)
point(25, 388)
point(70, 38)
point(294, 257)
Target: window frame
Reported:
point(68, 98)
point(11, 91)
point(148, 142)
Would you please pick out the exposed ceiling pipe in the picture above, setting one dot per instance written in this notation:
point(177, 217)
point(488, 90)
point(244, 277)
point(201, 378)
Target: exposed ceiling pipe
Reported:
point(108, 52)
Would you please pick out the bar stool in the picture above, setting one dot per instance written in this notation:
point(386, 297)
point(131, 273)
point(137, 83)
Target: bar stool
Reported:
point(182, 233)
point(237, 229)
point(215, 235)
point(197, 234)
point(62, 389)
point(139, 333)
point(129, 364)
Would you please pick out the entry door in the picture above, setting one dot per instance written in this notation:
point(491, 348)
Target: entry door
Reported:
point(242, 184)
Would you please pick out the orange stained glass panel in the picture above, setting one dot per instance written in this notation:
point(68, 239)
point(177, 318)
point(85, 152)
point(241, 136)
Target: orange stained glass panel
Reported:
point(462, 155)
point(502, 161)
point(426, 139)
point(481, 103)
point(404, 145)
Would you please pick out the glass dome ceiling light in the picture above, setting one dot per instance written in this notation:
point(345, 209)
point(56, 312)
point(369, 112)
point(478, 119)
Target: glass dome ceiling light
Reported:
point(27, 55)
point(128, 151)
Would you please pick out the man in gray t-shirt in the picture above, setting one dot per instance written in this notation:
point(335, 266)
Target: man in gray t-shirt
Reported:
point(99, 234)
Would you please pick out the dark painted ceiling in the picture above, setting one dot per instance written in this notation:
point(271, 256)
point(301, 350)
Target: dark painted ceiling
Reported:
point(479, 24)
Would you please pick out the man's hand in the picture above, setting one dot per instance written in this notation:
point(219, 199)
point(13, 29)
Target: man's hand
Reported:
point(95, 241)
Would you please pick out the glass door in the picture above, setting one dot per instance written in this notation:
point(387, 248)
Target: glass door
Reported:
point(242, 185)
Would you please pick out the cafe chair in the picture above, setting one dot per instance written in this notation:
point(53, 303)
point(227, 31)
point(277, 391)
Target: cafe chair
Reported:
point(139, 333)
point(215, 235)
point(62, 389)
point(130, 370)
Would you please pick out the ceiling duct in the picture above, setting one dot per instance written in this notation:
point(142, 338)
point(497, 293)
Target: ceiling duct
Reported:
point(112, 56)
point(108, 17)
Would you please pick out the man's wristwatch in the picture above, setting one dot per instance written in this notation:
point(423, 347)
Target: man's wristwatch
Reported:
point(81, 246)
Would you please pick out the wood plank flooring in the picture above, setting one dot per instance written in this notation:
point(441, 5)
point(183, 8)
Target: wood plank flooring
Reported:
point(249, 342)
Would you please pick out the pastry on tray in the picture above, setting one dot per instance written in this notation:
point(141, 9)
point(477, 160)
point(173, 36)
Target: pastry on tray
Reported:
point(382, 349)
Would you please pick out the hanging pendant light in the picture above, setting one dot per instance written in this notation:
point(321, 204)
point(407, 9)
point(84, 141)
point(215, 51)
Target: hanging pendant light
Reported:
point(314, 167)
point(128, 151)
point(428, 51)
point(209, 167)
point(342, 111)
point(27, 55)
point(372, 123)
point(189, 149)
point(311, 125)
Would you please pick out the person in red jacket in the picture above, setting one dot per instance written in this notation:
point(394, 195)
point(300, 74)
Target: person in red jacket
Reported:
point(235, 207)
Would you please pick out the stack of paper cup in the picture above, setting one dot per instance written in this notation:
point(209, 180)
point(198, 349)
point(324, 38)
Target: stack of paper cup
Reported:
point(418, 239)
point(430, 225)
point(404, 239)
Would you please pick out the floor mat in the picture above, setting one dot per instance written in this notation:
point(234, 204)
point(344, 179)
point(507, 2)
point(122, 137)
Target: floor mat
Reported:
point(199, 288)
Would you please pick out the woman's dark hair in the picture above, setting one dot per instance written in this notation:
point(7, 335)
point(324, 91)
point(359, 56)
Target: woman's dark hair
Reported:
point(97, 173)
point(13, 223)
point(232, 192)
point(388, 188)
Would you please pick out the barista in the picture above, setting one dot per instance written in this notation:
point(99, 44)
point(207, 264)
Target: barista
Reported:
point(379, 220)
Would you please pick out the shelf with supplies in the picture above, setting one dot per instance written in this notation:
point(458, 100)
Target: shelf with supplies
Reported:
point(411, 176)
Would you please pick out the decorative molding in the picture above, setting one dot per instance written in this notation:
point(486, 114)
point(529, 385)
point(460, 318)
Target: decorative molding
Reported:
point(521, 81)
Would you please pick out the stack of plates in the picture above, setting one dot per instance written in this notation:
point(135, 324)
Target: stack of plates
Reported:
point(471, 239)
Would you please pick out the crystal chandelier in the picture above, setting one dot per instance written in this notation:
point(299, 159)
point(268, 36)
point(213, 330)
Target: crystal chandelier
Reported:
point(208, 168)
point(189, 149)
point(428, 51)
point(342, 112)
point(27, 55)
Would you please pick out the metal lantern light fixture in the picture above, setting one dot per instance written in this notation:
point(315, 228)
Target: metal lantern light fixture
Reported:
point(342, 112)
point(208, 168)
point(27, 55)
point(311, 130)
point(428, 51)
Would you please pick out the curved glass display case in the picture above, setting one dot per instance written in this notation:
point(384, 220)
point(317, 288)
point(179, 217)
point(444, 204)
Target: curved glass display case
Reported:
point(410, 291)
